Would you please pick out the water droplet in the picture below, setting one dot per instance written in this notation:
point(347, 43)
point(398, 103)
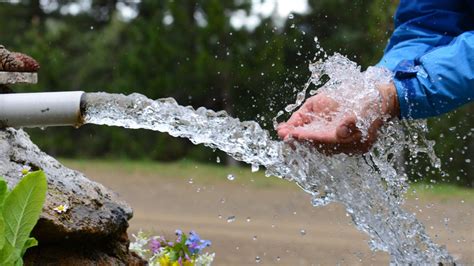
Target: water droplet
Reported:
point(255, 168)
point(231, 219)
point(223, 200)
point(254, 238)
point(191, 181)
point(92, 28)
point(278, 258)
point(218, 159)
point(468, 160)
point(258, 259)
point(231, 177)
point(291, 16)
point(219, 216)
point(248, 219)
point(303, 232)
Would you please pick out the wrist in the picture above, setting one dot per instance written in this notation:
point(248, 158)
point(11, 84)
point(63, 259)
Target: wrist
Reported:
point(389, 98)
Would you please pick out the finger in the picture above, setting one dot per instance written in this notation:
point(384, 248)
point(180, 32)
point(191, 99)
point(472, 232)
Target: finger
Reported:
point(283, 131)
point(324, 136)
point(282, 125)
point(347, 126)
point(299, 118)
point(313, 135)
point(347, 131)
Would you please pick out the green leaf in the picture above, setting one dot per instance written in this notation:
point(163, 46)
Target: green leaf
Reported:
point(3, 191)
point(173, 255)
point(19, 262)
point(3, 194)
point(183, 239)
point(2, 232)
point(31, 242)
point(22, 208)
point(9, 255)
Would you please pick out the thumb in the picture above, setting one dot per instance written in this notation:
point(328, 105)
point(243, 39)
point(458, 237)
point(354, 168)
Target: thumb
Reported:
point(347, 127)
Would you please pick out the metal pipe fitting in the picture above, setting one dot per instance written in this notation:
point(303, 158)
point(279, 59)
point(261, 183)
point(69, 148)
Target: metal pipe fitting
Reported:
point(43, 109)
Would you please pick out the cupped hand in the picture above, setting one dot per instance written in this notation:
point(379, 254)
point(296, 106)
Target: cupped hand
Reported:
point(331, 129)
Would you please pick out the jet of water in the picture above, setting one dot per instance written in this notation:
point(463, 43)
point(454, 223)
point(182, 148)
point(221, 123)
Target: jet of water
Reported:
point(371, 186)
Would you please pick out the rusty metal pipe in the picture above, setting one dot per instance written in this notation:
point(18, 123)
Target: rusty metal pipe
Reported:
point(42, 109)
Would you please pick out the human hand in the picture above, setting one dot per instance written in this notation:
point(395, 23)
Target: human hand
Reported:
point(331, 130)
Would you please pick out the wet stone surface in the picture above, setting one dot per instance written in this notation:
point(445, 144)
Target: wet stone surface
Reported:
point(96, 220)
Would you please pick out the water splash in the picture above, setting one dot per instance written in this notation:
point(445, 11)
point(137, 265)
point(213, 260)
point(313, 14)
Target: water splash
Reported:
point(371, 186)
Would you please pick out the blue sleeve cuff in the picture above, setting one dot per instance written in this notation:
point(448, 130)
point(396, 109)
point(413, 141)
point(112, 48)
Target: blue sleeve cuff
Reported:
point(402, 95)
point(409, 80)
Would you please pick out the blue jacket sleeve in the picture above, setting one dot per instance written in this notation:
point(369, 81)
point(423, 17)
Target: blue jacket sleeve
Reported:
point(431, 53)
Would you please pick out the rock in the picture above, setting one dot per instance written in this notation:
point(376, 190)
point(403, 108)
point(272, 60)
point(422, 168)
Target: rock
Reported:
point(91, 232)
point(113, 252)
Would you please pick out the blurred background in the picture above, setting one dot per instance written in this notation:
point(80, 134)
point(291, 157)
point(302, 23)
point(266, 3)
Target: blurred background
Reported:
point(248, 57)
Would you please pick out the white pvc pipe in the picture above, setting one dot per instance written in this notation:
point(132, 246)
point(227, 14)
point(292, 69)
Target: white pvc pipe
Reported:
point(41, 109)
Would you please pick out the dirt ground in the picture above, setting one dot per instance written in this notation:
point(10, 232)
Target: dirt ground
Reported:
point(269, 220)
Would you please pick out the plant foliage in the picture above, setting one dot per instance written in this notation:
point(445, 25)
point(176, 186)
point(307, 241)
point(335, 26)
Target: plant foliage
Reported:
point(20, 209)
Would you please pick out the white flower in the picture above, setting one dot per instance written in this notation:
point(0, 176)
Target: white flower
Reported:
point(61, 208)
point(204, 259)
point(25, 170)
point(138, 249)
point(139, 246)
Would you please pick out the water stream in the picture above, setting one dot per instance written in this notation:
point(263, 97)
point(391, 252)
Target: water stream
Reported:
point(371, 186)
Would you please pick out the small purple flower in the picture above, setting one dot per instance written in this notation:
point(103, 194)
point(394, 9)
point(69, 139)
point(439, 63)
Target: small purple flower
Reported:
point(196, 244)
point(155, 245)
